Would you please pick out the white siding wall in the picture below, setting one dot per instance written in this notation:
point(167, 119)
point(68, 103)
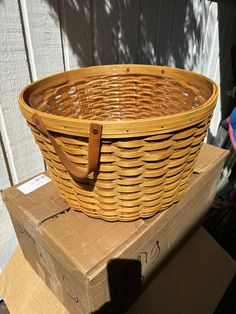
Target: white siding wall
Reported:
point(41, 37)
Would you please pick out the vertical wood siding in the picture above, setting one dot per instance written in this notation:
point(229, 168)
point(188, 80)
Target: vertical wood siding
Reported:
point(41, 37)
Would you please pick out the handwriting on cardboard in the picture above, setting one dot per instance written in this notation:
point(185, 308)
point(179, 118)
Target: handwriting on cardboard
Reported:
point(34, 184)
point(150, 256)
point(47, 264)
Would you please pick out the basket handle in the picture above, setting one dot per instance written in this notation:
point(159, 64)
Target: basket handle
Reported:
point(93, 149)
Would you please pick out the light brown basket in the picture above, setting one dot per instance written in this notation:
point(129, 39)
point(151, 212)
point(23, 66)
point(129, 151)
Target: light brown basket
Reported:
point(120, 141)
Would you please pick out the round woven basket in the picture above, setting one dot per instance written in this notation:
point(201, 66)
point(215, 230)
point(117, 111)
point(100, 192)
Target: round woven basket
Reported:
point(120, 141)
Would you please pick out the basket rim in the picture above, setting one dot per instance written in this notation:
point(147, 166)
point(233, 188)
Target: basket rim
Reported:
point(122, 128)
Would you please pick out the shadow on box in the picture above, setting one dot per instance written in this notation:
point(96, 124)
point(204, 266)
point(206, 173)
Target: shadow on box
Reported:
point(125, 278)
point(125, 282)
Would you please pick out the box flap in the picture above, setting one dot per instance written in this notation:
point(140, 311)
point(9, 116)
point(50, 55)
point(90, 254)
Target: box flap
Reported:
point(207, 157)
point(23, 290)
point(193, 282)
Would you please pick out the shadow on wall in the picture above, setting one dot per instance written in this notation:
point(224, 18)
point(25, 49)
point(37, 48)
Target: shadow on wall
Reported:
point(226, 14)
point(130, 31)
point(176, 33)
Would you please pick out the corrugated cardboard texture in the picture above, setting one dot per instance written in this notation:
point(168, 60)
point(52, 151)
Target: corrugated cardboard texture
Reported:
point(78, 257)
point(208, 155)
point(193, 282)
point(24, 292)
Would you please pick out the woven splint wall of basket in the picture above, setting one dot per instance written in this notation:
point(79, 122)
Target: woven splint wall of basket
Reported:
point(120, 141)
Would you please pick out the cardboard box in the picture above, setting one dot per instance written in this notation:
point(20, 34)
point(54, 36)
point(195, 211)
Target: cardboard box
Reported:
point(23, 290)
point(87, 262)
point(194, 281)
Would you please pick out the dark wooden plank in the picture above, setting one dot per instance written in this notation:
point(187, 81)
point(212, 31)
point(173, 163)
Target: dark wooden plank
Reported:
point(148, 26)
point(164, 28)
point(105, 31)
point(76, 27)
point(128, 34)
point(186, 35)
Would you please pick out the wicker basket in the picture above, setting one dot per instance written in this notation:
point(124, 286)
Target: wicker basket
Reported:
point(120, 141)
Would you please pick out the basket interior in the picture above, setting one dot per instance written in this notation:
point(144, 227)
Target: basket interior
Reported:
point(119, 97)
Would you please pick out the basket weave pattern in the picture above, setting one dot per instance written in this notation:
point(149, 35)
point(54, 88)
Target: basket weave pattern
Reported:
point(136, 178)
point(119, 98)
point(144, 167)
